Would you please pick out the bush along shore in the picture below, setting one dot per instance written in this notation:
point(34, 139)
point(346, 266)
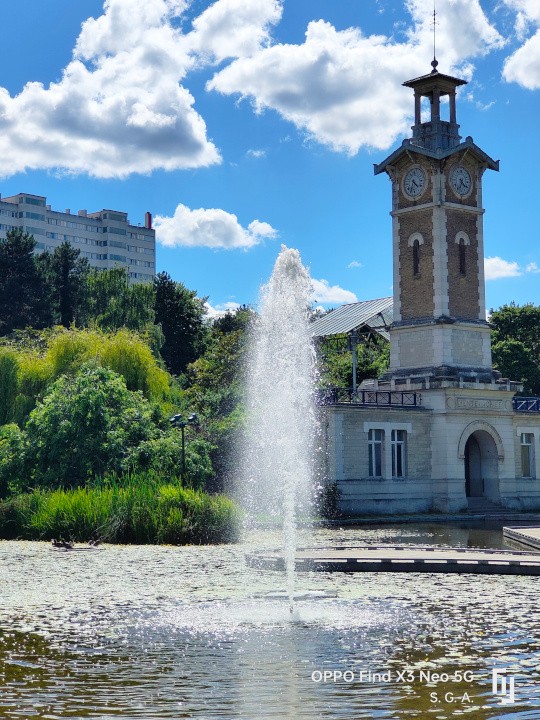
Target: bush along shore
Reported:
point(139, 509)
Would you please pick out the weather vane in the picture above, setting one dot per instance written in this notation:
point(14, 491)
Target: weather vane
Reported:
point(434, 62)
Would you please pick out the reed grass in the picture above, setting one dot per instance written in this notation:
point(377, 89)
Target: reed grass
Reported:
point(137, 509)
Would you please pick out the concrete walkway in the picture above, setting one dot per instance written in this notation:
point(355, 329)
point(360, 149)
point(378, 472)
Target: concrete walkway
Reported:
point(525, 536)
point(400, 558)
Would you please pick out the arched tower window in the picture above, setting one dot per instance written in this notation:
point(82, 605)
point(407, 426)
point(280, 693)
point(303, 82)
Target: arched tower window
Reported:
point(462, 258)
point(462, 240)
point(414, 242)
point(416, 257)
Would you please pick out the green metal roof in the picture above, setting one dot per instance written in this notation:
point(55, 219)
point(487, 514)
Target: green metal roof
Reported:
point(376, 314)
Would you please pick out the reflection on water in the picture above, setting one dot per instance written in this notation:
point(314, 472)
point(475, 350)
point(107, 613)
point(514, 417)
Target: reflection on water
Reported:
point(154, 632)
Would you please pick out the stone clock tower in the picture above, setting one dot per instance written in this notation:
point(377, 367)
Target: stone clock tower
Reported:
point(439, 329)
point(441, 430)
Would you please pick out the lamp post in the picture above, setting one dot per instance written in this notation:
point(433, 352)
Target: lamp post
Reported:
point(178, 421)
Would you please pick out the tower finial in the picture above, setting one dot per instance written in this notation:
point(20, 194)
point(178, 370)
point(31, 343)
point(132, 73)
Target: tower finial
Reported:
point(434, 62)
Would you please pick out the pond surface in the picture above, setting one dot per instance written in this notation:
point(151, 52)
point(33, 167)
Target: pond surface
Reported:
point(163, 632)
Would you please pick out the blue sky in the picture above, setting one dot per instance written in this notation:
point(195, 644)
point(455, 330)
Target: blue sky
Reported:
point(244, 124)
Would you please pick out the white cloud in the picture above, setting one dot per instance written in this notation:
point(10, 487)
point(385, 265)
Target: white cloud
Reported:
point(220, 310)
point(354, 264)
point(496, 268)
point(121, 105)
point(234, 28)
point(523, 66)
point(337, 84)
point(118, 107)
point(256, 153)
point(262, 229)
point(325, 293)
point(213, 228)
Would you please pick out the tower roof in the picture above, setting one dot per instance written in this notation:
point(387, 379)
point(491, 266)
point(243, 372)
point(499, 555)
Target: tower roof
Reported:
point(408, 147)
point(425, 84)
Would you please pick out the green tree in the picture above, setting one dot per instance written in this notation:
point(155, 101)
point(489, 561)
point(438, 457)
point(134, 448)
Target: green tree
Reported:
point(12, 442)
point(163, 456)
point(24, 300)
point(114, 302)
point(180, 313)
point(66, 273)
point(85, 426)
point(215, 391)
point(516, 344)
point(9, 367)
point(123, 351)
point(335, 362)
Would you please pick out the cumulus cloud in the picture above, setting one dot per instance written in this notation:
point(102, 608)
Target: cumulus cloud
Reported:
point(234, 28)
point(523, 66)
point(325, 293)
point(354, 264)
point(336, 85)
point(220, 310)
point(496, 268)
point(118, 107)
point(213, 228)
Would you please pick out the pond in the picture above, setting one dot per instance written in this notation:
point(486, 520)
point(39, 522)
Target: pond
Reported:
point(166, 632)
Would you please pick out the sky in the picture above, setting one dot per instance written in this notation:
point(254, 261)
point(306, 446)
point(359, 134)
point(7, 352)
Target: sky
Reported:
point(246, 124)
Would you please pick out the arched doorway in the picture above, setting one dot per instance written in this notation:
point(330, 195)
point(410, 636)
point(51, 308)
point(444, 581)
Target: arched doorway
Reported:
point(481, 458)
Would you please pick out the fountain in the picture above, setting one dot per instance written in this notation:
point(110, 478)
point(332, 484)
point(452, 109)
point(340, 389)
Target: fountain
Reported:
point(280, 416)
point(168, 632)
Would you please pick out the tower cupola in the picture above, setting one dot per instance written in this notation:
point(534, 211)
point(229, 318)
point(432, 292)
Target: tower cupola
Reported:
point(435, 134)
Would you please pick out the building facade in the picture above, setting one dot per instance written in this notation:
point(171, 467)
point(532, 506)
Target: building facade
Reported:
point(105, 238)
point(441, 430)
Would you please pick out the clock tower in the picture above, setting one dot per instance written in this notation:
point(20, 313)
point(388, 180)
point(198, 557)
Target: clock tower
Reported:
point(441, 430)
point(439, 330)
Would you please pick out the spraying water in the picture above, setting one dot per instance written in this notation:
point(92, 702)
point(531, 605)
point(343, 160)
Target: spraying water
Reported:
point(280, 422)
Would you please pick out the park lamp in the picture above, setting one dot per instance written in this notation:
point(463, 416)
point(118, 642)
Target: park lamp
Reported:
point(178, 421)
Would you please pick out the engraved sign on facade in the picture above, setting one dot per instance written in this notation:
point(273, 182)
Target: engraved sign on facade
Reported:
point(469, 403)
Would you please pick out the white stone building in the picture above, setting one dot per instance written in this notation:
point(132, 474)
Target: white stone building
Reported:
point(441, 430)
point(105, 238)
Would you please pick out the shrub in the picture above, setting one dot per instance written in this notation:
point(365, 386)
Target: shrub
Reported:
point(11, 458)
point(85, 427)
point(138, 511)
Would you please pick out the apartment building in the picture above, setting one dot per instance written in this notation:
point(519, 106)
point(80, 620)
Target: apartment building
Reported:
point(105, 238)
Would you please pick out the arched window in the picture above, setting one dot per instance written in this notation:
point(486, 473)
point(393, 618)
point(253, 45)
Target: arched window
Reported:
point(416, 257)
point(462, 240)
point(414, 242)
point(462, 258)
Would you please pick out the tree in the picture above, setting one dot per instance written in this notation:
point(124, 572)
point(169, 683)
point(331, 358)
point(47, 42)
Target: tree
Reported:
point(123, 351)
point(180, 313)
point(516, 344)
point(335, 362)
point(215, 391)
point(11, 458)
point(85, 427)
point(9, 367)
point(65, 273)
point(114, 302)
point(24, 300)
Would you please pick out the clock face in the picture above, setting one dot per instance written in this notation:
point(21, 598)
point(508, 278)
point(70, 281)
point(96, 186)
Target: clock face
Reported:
point(414, 182)
point(461, 181)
